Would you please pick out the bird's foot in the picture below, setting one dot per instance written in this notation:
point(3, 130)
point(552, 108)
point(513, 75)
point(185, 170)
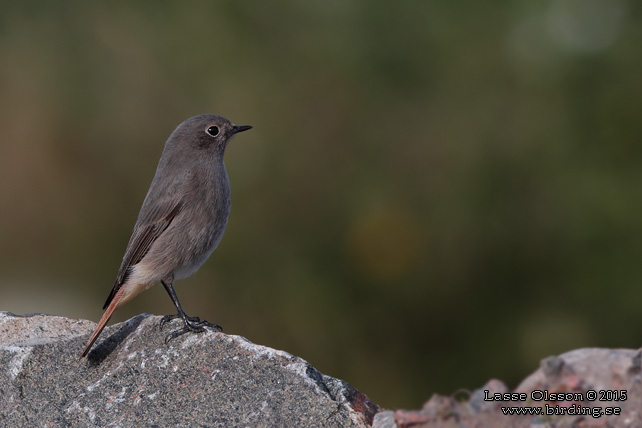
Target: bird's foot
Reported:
point(190, 324)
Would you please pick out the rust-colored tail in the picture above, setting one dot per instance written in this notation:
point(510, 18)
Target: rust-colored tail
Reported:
point(103, 320)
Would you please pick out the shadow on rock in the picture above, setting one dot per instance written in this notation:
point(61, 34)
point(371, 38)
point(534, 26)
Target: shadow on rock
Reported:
point(105, 348)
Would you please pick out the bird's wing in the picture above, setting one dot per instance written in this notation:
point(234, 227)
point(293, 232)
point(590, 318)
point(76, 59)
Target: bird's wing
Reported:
point(149, 227)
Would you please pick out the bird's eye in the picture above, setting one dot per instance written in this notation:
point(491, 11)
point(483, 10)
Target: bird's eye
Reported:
point(213, 131)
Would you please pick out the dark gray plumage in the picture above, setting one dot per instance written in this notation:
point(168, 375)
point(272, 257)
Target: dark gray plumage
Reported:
point(182, 219)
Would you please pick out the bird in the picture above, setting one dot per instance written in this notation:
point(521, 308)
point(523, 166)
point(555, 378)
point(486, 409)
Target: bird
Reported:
point(181, 221)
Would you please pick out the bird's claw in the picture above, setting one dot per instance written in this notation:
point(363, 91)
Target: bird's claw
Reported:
point(190, 324)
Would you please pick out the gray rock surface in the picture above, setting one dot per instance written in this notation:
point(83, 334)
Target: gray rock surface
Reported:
point(133, 379)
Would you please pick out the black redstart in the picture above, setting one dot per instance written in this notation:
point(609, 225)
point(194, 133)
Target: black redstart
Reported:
point(182, 219)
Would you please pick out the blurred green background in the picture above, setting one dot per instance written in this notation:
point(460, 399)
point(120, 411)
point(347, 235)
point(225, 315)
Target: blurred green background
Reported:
point(434, 194)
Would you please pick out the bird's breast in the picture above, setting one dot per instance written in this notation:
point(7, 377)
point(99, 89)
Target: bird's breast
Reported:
point(202, 223)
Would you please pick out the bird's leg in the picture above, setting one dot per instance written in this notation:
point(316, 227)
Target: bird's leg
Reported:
point(190, 324)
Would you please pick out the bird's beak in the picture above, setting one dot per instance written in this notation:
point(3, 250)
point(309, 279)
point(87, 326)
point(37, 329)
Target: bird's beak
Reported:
point(236, 129)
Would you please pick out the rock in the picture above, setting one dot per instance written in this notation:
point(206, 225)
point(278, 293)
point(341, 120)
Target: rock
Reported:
point(384, 419)
point(132, 379)
point(598, 381)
